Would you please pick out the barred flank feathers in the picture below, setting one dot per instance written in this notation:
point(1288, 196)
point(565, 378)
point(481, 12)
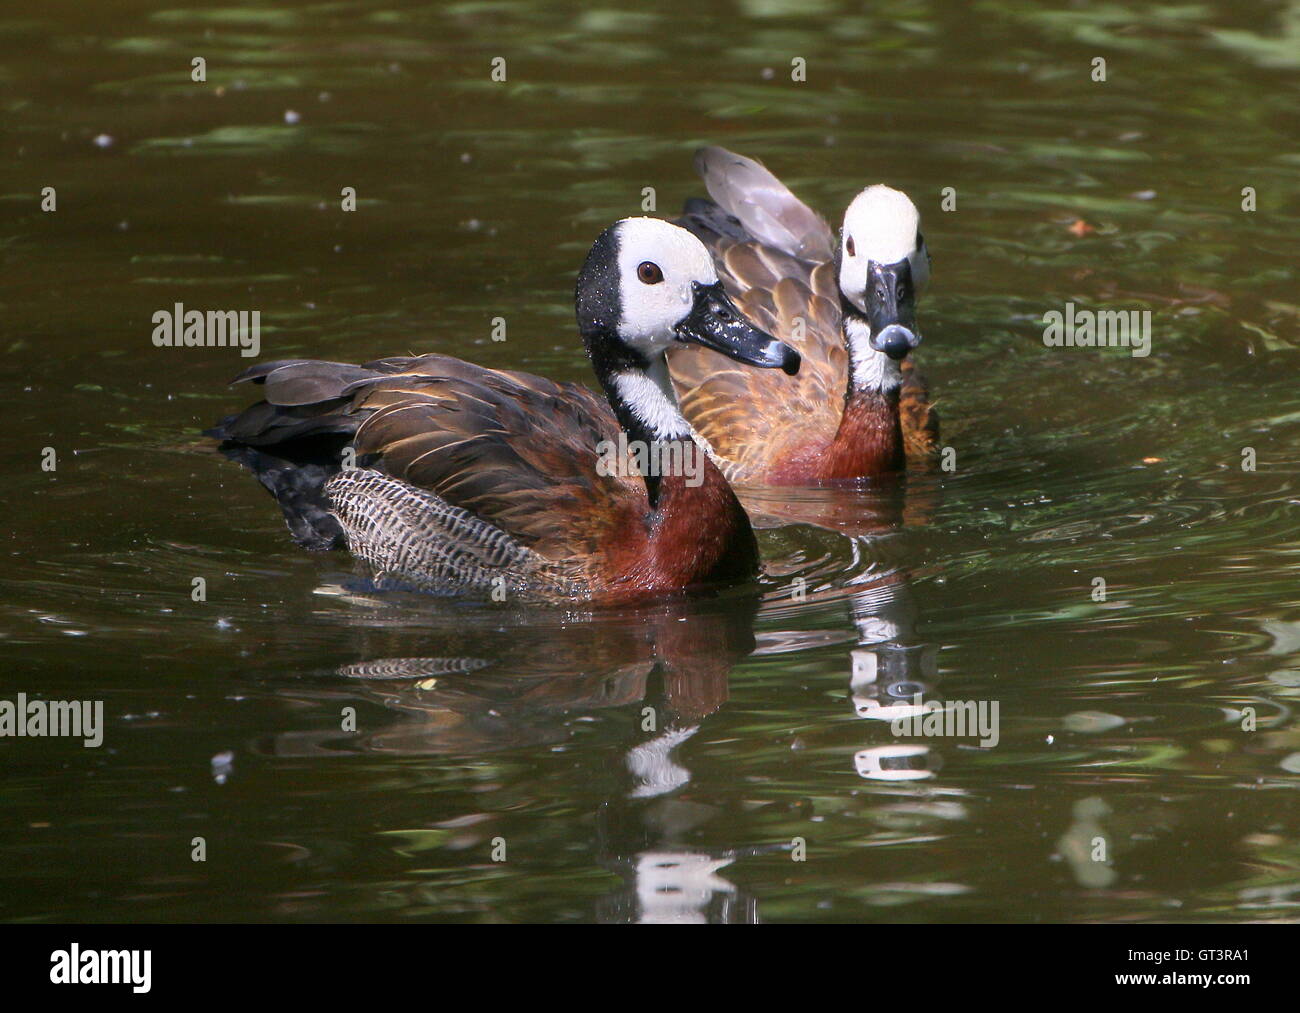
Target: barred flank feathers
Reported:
point(411, 537)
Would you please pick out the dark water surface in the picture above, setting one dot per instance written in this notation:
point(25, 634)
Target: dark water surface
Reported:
point(1160, 722)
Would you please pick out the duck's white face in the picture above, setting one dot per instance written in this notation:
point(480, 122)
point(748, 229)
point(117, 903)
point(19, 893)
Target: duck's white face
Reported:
point(659, 267)
point(881, 226)
point(657, 281)
point(883, 264)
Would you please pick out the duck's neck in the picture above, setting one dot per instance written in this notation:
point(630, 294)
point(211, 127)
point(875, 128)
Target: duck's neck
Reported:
point(870, 436)
point(646, 406)
point(870, 372)
point(696, 529)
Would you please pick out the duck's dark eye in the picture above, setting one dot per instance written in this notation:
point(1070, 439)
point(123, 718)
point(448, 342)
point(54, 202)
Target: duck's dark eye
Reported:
point(901, 293)
point(649, 273)
point(848, 246)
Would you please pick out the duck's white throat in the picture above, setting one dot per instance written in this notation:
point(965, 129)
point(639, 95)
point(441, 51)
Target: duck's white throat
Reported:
point(649, 396)
point(872, 370)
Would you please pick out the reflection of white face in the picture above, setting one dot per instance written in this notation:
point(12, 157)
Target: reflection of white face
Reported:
point(657, 266)
point(880, 227)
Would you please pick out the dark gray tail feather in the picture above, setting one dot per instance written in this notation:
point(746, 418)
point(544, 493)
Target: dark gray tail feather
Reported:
point(295, 475)
point(293, 440)
point(707, 221)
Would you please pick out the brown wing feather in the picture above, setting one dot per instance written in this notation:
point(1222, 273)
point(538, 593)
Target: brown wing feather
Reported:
point(763, 205)
point(516, 450)
point(747, 415)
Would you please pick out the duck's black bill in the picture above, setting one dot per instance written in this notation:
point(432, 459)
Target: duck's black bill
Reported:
point(891, 309)
point(895, 341)
point(716, 323)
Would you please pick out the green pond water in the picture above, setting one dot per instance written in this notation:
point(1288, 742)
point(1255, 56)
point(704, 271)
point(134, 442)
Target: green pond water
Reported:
point(502, 768)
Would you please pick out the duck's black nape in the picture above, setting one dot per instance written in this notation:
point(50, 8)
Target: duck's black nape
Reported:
point(596, 297)
point(599, 310)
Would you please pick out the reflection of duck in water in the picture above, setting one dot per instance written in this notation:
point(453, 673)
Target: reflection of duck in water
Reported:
point(668, 881)
point(484, 689)
point(882, 509)
point(891, 672)
point(890, 668)
point(491, 689)
point(893, 676)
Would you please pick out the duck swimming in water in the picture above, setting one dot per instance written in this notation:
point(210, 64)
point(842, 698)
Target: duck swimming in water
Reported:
point(858, 408)
point(464, 479)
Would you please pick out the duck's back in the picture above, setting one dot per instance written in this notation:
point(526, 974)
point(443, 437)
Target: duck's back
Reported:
point(461, 475)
